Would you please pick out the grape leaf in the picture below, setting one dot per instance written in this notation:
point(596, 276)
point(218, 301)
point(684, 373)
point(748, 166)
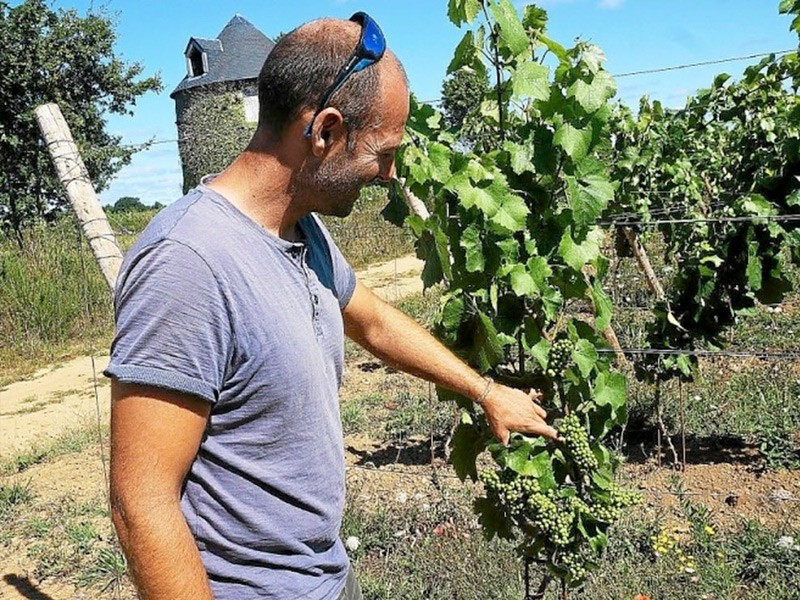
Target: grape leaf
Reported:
point(531, 80)
point(602, 306)
point(492, 520)
point(473, 248)
point(536, 344)
point(754, 270)
point(593, 95)
point(511, 214)
point(611, 389)
point(462, 11)
point(577, 255)
point(520, 461)
point(396, 210)
point(465, 55)
point(588, 198)
point(467, 444)
point(439, 156)
point(486, 351)
point(585, 356)
point(452, 313)
point(521, 281)
point(521, 156)
point(512, 33)
point(574, 141)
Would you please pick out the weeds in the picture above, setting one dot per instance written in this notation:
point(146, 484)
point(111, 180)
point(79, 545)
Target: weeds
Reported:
point(14, 496)
point(68, 442)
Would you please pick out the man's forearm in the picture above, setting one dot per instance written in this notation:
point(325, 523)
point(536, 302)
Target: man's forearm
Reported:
point(162, 556)
point(402, 343)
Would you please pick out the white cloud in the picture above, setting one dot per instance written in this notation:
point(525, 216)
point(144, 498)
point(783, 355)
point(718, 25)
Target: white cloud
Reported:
point(611, 4)
point(154, 175)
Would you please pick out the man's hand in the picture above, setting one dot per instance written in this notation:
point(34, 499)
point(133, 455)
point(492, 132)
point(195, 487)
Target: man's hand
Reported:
point(510, 410)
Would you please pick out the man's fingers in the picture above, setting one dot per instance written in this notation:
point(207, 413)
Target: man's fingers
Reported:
point(544, 430)
point(535, 395)
point(504, 435)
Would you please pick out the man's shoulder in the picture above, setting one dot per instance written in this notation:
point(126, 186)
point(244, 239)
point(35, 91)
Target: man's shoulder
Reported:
point(198, 220)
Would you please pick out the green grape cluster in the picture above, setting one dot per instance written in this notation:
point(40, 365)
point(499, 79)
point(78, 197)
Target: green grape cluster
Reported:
point(610, 512)
point(576, 440)
point(509, 490)
point(560, 358)
point(553, 518)
point(573, 562)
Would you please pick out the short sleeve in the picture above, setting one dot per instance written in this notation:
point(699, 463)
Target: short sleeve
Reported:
point(173, 327)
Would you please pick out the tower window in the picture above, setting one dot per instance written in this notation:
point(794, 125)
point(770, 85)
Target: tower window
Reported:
point(196, 63)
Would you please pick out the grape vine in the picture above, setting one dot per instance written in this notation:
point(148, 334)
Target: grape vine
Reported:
point(733, 152)
point(513, 239)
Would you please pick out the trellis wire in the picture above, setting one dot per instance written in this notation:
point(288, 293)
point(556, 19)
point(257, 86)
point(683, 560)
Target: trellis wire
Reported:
point(760, 354)
point(736, 219)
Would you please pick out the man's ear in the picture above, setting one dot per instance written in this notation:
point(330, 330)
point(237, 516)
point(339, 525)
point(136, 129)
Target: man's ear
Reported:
point(327, 130)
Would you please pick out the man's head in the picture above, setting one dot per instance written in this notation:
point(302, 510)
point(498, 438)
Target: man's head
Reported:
point(304, 64)
point(354, 137)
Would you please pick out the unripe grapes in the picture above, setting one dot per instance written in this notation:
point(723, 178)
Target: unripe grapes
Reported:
point(618, 499)
point(576, 441)
point(560, 357)
point(573, 561)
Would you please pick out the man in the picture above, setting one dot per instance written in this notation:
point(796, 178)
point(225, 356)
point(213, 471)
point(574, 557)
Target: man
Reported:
point(227, 466)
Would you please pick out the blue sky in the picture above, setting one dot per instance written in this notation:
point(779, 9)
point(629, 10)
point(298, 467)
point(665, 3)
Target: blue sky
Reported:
point(635, 35)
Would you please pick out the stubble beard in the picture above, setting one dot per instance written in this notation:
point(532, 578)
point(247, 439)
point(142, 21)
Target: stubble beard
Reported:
point(332, 186)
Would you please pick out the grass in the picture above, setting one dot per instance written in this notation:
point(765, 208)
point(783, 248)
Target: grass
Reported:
point(68, 442)
point(63, 537)
point(436, 551)
point(71, 540)
point(427, 552)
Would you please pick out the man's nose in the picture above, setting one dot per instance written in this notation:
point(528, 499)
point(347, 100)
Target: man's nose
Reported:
point(387, 171)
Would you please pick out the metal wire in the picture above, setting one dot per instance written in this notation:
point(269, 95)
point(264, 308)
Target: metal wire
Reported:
point(738, 219)
point(763, 355)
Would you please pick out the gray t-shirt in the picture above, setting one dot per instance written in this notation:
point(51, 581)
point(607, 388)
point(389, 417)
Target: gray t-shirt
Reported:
point(209, 303)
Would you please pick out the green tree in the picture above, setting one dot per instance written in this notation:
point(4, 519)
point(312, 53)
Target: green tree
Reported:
point(463, 93)
point(129, 204)
point(49, 55)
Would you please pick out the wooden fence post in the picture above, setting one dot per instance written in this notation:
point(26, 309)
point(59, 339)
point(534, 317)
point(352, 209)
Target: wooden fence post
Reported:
point(75, 178)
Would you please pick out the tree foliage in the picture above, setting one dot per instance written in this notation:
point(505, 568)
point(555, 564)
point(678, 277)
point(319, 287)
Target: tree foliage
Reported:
point(462, 94)
point(132, 204)
point(49, 55)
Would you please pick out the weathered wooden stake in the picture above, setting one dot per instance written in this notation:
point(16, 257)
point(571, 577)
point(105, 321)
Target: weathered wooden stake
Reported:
point(644, 263)
point(75, 178)
point(414, 203)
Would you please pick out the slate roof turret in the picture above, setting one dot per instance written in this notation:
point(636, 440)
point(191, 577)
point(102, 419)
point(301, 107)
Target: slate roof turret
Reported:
point(236, 54)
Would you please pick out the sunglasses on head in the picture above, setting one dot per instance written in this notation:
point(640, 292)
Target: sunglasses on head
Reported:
point(370, 49)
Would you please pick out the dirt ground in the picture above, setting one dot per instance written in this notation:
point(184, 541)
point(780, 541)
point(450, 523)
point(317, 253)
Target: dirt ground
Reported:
point(379, 473)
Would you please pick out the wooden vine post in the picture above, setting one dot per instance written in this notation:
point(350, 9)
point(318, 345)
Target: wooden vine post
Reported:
point(74, 177)
point(644, 264)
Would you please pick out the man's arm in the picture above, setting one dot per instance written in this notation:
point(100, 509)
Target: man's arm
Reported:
point(155, 435)
point(401, 342)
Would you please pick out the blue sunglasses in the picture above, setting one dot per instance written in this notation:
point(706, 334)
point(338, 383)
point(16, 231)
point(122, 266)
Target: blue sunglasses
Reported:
point(370, 49)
